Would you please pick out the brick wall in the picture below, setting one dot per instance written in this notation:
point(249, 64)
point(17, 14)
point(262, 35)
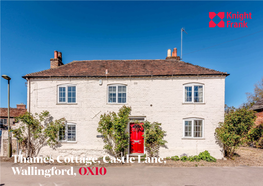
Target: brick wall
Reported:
point(159, 99)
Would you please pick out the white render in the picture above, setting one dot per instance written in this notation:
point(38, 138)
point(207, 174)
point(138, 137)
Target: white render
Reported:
point(158, 99)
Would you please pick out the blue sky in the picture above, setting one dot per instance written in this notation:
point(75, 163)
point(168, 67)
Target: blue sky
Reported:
point(31, 31)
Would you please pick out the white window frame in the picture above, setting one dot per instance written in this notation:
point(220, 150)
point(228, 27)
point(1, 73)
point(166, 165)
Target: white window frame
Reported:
point(66, 96)
point(66, 133)
point(4, 119)
point(116, 85)
point(192, 120)
point(193, 85)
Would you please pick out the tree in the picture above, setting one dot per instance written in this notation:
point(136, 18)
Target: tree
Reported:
point(252, 98)
point(43, 131)
point(153, 136)
point(235, 129)
point(113, 128)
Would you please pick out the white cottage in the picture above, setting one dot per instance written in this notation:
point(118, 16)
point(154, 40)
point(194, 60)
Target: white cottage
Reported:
point(187, 99)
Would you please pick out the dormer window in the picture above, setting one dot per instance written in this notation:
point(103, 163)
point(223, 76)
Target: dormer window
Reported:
point(193, 93)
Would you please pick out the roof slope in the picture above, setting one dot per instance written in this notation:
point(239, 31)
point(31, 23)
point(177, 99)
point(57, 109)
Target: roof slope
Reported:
point(14, 112)
point(125, 68)
point(258, 105)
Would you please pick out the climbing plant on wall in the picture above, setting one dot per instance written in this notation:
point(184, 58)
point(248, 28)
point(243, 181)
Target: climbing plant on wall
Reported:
point(154, 138)
point(113, 127)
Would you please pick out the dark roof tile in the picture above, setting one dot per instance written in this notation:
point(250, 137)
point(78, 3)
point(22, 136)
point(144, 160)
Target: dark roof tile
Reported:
point(123, 68)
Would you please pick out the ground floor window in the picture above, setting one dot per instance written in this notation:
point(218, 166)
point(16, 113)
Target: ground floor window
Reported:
point(193, 128)
point(68, 132)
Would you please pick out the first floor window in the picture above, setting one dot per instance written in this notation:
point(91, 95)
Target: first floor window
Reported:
point(3, 121)
point(193, 93)
point(193, 128)
point(116, 94)
point(68, 132)
point(67, 94)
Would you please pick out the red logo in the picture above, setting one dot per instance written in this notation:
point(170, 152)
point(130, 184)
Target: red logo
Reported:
point(233, 20)
point(221, 15)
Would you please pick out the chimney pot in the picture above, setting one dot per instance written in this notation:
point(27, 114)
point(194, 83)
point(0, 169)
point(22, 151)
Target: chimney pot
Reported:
point(60, 55)
point(55, 54)
point(174, 52)
point(57, 60)
point(169, 53)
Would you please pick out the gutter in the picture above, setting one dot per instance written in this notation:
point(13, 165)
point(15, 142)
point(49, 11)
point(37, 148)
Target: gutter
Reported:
point(27, 77)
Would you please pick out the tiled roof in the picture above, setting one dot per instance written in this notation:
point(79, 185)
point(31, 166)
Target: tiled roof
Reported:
point(14, 112)
point(125, 68)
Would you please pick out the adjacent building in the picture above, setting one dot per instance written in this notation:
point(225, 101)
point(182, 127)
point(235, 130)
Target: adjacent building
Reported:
point(14, 112)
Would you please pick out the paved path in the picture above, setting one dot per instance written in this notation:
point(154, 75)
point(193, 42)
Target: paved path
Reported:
point(140, 176)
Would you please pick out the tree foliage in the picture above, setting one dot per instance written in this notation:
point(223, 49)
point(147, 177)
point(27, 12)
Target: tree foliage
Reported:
point(153, 136)
point(255, 136)
point(252, 98)
point(114, 127)
point(43, 130)
point(235, 129)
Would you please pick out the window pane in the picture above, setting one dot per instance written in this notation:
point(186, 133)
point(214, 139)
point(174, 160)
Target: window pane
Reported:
point(188, 94)
point(112, 94)
point(71, 132)
point(62, 134)
point(62, 94)
point(188, 128)
point(198, 128)
point(198, 93)
point(71, 94)
point(121, 94)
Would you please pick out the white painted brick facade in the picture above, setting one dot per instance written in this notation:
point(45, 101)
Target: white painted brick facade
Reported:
point(164, 94)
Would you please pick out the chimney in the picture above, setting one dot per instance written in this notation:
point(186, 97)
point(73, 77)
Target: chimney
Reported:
point(57, 60)
point(174, 54)
point(21, 106)
point(169, 53)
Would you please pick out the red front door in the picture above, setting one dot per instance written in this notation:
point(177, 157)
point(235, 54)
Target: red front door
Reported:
point(136, 138)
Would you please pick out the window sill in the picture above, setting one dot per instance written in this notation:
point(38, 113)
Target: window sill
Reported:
point(193, 138)
point(116, 103)
point(74, 142)
point(66, 103)
point(195, 103)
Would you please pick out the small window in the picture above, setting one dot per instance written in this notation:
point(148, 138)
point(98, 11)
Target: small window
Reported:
point(3, 121)
point(67, 94)
point(193, 93)
point(116, 94)
point(193, 128)
point(68, 133)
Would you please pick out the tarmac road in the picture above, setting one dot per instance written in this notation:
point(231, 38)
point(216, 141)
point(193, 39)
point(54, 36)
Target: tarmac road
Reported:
point(137, 175)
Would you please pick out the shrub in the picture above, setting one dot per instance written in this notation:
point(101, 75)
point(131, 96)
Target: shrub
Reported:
point(234, 131)
point(202, 156)
point(206, 156)
point(255, 136)
point(153, 136)
point(184, 158)
point(112, 126)
point(175, 158)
